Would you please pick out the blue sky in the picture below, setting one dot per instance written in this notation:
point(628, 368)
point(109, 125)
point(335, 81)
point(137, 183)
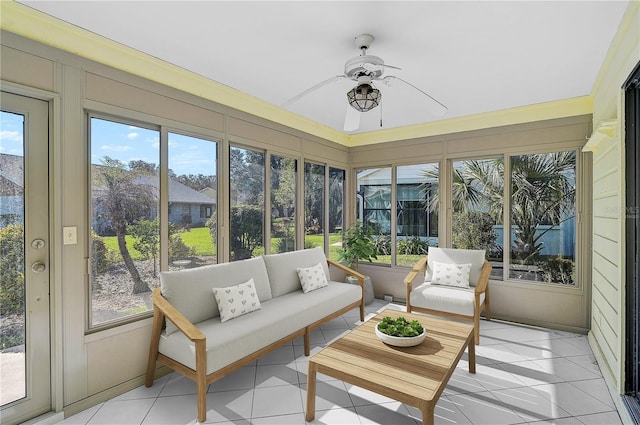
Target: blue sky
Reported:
point(187, 155)
point(11, 132)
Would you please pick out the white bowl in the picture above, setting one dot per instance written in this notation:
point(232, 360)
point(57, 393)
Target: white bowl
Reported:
point(401, 341)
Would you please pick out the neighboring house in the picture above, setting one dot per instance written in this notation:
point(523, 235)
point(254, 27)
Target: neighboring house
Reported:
point(11, 189)
point(187, 206)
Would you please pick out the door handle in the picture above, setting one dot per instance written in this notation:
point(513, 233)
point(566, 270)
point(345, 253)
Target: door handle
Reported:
point(38, 267)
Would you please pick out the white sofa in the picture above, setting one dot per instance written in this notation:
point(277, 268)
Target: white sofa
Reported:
point(198, 344)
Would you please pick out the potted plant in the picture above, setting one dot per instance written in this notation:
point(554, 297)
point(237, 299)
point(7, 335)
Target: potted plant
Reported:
point(358, 245)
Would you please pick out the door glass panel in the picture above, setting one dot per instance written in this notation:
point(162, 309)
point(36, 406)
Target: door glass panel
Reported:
point(12, 264)
point(193, 202)
point(25, 373)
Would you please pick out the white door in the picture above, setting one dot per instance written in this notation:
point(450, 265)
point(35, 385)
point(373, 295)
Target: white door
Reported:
point(25, 361)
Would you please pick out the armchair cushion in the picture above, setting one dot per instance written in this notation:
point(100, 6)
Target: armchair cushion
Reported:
point(445, 298)
point(475, 257)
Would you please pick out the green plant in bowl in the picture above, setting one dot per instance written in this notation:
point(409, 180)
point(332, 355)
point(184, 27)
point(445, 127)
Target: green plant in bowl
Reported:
point(400, 327)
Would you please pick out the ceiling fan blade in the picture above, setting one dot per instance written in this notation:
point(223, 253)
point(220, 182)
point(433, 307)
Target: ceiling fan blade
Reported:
point(351, 119)
point(438, 108)
point(312, 89)
point(389, 66)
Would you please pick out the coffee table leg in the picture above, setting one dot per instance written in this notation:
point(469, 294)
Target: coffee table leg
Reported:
point(311, 391)
point(427, 414)
point(471, 345)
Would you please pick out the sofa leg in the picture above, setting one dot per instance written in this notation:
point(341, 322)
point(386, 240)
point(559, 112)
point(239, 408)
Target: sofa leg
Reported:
point(307, 341)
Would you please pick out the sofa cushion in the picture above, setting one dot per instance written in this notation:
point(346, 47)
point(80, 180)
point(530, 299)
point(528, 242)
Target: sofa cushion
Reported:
point(312, 278)
point(451, 274)
point(445, 298)
point(190, 290)
point(456, 256)
point(234, 301)
point(279, 317)
point(282, 268)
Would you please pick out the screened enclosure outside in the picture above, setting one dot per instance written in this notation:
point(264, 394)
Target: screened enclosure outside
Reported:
point(283, 187)
point(247, 187)
point(124, 195)
point(373, 199)
point(416, 211)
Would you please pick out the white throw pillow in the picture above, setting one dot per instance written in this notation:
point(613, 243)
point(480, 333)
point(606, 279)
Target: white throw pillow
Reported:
point(451, 274)
point(234, 301)
point(312, 278)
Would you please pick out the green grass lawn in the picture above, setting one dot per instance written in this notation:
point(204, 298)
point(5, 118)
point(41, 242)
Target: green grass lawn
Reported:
point(198, 238)
point(201, 240)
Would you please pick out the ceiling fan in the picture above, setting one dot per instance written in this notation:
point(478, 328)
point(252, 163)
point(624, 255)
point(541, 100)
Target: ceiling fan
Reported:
point(364, 70)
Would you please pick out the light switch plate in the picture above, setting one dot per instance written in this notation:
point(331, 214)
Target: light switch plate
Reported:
point(70, 235)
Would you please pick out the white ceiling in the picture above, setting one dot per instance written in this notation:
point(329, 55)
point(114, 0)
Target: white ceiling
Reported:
point(473, 56)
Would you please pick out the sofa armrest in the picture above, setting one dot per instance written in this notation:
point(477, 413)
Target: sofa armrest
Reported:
point(171, 313)
point(348, 270)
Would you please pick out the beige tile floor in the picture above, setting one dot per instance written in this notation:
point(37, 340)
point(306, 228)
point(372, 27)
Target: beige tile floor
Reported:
point(524, 375)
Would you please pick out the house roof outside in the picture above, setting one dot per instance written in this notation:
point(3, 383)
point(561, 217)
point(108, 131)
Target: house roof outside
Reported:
point(178, 192)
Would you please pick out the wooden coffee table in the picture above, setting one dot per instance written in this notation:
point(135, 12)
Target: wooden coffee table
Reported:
point(412, 375)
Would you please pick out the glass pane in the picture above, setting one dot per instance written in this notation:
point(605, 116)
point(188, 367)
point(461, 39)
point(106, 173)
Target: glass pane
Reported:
point(416, 211)
point(193, 191)
point(283, 204)
point(477, 197)
point(313, 205)
point(336, 210)
point(12, 261)
point(374, 208)
point(543, 199)
point(246, 174)
point(124, 219)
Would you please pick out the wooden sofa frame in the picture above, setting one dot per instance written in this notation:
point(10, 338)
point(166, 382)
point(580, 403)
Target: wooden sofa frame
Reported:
point(162, 310)
point(481, 286)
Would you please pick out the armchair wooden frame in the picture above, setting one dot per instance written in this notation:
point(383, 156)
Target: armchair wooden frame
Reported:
point(163, 310)
point(482, 286)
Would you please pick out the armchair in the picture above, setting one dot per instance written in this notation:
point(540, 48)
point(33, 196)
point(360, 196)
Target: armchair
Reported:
point(445, 290)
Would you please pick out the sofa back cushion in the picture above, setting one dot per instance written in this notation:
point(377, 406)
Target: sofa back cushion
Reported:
point(282, 268)
point(191, 290)
point(475, 257)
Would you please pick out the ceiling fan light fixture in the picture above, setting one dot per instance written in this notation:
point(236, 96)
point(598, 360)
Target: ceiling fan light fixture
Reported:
point(364, 97)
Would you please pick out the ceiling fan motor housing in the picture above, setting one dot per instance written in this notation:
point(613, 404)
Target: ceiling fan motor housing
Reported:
point(364, 65)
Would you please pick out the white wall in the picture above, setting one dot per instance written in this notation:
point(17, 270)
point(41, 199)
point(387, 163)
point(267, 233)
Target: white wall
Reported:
point(607, 144)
